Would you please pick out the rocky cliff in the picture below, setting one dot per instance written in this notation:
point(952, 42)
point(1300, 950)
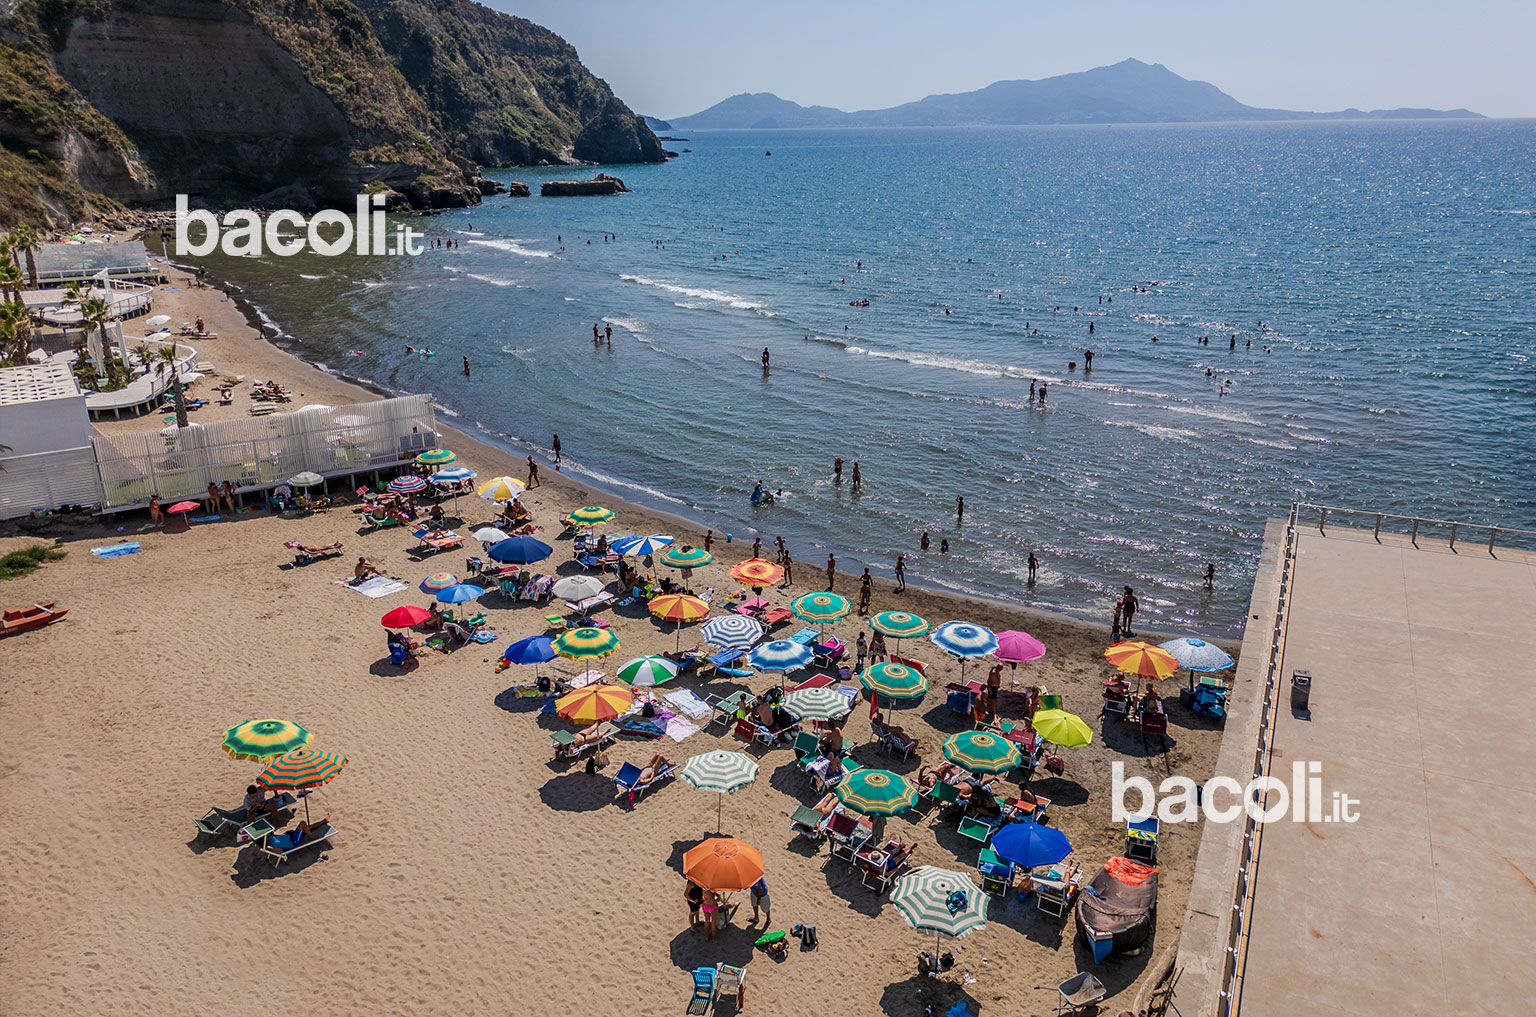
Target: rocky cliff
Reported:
point(298, 103)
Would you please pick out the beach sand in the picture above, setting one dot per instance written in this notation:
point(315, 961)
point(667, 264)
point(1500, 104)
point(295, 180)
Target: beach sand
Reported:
point(469, 874)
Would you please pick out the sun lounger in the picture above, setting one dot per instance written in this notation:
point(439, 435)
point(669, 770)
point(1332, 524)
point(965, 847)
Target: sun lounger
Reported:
point(591, 603)
point(730, 982)
point(447, 542)
point(725, 707)
point(847, 832)
point(565, 743)
point(807, 822)
point(753, 732)
point(279, 848)
point(806, 636)
point(776, 616)
point(600, 562)
point(218, 821)
point(628, 780)
point(978, 828)
point(805, 748)
point(722, 663)
point(916, 665)
point(879, 866)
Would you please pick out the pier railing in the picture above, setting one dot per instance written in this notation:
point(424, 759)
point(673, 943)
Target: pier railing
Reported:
point(1471, 535)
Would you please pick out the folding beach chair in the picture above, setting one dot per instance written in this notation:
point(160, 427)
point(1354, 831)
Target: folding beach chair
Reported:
point(730, 981)
point(725, 707)
point(979, 830)
point(279, 847)
point(628, 780)
point(703, 990)
point(1141, 838)
point(996, 874)
point(847, 832)
point(807, 822)
point(753, 732)
point(218, 821)
point(805, 748)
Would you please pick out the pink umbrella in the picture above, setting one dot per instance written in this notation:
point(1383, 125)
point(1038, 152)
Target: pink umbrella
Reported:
point(1016, 647)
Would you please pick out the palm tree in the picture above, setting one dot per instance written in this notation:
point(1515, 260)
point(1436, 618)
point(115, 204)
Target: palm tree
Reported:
point(11, 279)
point(168, 356)
point(15, 331)
point(96, 313)
point(22, 241)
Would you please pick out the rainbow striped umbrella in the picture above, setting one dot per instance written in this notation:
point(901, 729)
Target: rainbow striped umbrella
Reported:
point(679, 607)
point(894, 681)
point(1142, 659)
point(755, 572)
point(263, 739)
point(587, 643)
point(438, 581)
point(590, 515)
point(501, 489)
point(686, 557)
point(820, 607)
point(437, 457)
point(899, 624)
point(876, 792)
point(407, 484)
point(982, 752)
point(301, 768)
point(594, 703)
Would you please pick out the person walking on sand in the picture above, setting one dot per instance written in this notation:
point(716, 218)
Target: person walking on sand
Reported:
point(831, 570)
point(1210, 574)
point(865, 583)
point(837, 469)
point(709, 538)
point(858, 478)
point(759, 896)
point(779, 543)
point(901, 572)
point(533, 474)
point(1034, 566)
point(789, 568)
point(554, 445)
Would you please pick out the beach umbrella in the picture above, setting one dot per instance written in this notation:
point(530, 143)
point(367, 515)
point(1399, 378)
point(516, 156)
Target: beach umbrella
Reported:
point(407, 484)
point(501, 489)
point(459, 593)
point(686, 557)
point(982, 752)
point(588, 643)
point(732, 632)
point(652, 670)
point(182, 506)
point(301, 768)
point(894, 681)
point(157, 320)
point(1061, 728)
point(720, 771)
point(1015, 647)
point(519, 551)
point(405, 617)
point(639, 547)
point(590, 515)
point(437, 457)
point(315, 408)
point(820, 607)
point(438, 581)
point(306, 479)
point(578, 588)
point(1198, 655)
point(816, 704)
point(452, 475)
point(1031, 844)
point(899, 624)
point(534, 650)
point(1142, 659)
point(781, 655)
point(940, 901)
point(876, 792)
point(594, 703)
point(756, 573)
point(964, 640)
point(262, 739)
point(351, 420)
point(723, 864)
point(678, 607)
point(490, 535)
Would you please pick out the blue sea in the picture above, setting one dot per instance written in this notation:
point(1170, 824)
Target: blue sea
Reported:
point(1378, 281)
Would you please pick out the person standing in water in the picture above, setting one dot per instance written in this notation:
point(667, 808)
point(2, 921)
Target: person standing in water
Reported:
point(1032, 390)
point(1087, 360)
point(1042, 395)
point(608, 334)
point(1210, 575)
point(1034, 566)
point(858, 478)
point(765, 358)
point(837, 469)
point(901, 572)
point(466, 367)
point(959, 508)
point(555, 446)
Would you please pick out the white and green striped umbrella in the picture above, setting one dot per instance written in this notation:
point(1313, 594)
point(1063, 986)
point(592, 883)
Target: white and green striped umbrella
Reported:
point(720, 771)
point(940, 901)
point(816, 704)
point(648, 671)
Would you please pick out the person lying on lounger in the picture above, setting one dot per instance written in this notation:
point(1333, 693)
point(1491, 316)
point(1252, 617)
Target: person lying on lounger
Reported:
point(320, 548)
point(828, 804)
point(365, 569)
point(946, 771)
point(302, 833)
point(657, 764)
point(588, 736)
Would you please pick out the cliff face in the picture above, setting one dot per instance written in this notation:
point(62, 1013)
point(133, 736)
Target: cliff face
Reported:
point(505, 91)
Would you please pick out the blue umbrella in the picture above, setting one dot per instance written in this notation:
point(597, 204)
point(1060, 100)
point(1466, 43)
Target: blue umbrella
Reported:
point(459, 593)
point(964, 640)
point(519, 551)
point(731, 632)
point(639, 547)
point(533, 650)
point(1198, 655)
point(1031, 844)
point(780, 655)
point(452, 475)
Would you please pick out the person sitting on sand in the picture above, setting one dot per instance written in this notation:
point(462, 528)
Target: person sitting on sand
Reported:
point(434, 615)
point(364, 569)
point(946, 771)
point(657, 764)
point(257, 803)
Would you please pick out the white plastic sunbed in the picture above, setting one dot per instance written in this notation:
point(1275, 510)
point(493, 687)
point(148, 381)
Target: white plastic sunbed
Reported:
point(321, 836)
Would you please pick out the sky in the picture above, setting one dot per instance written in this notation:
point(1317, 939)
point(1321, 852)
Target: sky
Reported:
point(677, 57)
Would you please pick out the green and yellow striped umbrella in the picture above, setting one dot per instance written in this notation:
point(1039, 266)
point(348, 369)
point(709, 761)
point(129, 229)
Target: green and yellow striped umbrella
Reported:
point(899, 624)
point(820, 607)
point(982, 752)
point(306, 767)
point(587, 644)
point(437, 457)
point(686, 557)
point(877, 792)
point(895, 681)
point(590, 515)
point(262, 739)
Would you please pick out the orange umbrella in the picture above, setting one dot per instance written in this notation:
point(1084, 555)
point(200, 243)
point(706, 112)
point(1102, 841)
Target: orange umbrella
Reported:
point(724, 864)
point(679, 607)
point(594, 703)
point(755, 572)
point(1143, 660)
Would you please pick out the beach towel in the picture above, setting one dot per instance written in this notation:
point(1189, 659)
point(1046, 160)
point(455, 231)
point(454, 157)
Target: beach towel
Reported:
point(116, 550)
point(205, 519)
point(689, 704)
point(378, 586)
point(680, 727)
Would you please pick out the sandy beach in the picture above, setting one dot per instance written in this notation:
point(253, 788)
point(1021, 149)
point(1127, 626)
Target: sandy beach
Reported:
point(470, 874)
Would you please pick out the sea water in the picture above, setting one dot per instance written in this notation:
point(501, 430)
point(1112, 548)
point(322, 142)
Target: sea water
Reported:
point(1392, 266)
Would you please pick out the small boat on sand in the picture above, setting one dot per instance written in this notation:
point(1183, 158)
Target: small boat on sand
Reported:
point(17, 620)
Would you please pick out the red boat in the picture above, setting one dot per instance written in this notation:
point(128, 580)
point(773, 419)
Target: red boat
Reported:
point(34, 617)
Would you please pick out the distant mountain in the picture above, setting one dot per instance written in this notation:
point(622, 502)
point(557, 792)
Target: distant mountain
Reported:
point(657, 124)
point(1124, 93)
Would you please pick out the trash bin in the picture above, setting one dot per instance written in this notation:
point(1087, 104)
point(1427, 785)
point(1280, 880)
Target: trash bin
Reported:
point(1301, 690)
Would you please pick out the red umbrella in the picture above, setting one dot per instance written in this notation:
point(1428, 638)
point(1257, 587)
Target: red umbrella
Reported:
point(183, 506)
point(405, 617)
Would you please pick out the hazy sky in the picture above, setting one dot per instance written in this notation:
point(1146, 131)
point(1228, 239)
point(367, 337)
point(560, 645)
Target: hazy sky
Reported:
point(677, 57)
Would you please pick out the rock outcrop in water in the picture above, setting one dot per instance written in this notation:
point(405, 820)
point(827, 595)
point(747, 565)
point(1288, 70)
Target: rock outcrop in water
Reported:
point(600, 184)
point(299, 103)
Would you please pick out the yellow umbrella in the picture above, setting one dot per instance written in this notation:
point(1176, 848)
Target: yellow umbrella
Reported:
point(1143, 660)
point(501, 489)
point(1061, 728)
point(679, 607)
point(594, 703)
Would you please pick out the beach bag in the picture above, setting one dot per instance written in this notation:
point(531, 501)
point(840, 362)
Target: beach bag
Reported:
point(808, 940)
point(1054, 765)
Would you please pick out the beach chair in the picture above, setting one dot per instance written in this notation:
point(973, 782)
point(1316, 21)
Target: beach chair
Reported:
point(847, 832)
point(828, 653)
point(1030, 812)
point(945, 796)
point(217, 821)
point(279, 847)
point(1053, 895)
point(725, 707)
point(996, 874)
point(703, 991)
point(917, 665)
point(565, 743)
point(893, 742)
point(753, 732)
point(1141, 838)
point(806, 636)
point(629, 780)
point(878, 868)
point(592, 603)
point(807, 822)
point(732, 982)
point(1117, 697)
point(978, 829)
point(724, 661)
point(805, 748)
point(776, 616)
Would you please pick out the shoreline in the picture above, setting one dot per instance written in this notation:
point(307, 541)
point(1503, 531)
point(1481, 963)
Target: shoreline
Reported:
point(486, 447)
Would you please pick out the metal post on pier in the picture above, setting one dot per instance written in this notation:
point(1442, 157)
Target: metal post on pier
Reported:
point(1453, 535)
point(1413, 538)
point(1377, 531)
point(1493, 531)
